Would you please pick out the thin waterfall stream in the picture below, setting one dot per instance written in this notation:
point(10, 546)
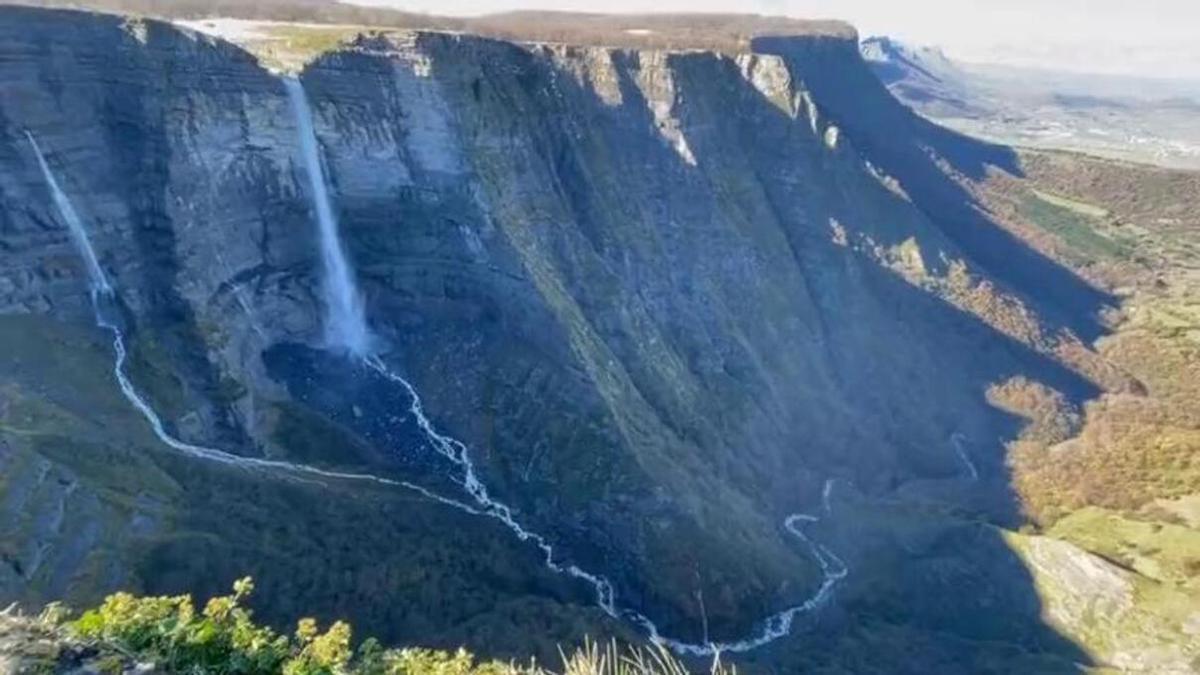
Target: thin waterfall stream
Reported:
point(346, 330)
point(957, 439)
point(345, 317)
point(105, 309)
point(74, 224)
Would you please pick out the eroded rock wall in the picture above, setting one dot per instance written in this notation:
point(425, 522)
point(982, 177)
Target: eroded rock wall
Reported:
point(661, 295)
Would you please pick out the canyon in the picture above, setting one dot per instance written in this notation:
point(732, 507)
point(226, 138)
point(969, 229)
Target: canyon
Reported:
point(505, 342)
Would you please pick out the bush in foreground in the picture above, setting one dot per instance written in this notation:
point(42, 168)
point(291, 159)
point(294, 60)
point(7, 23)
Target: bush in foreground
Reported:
point(167, 634)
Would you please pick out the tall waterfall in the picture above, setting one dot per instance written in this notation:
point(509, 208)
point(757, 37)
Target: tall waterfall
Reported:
point(348, 330)
point(74, 224)
point(345, 319)
point(103, 299)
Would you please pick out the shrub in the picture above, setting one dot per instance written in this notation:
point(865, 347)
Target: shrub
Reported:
point(221, 639)
point(224, 640)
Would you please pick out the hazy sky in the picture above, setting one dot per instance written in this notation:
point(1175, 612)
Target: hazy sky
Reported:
point(1143, 37)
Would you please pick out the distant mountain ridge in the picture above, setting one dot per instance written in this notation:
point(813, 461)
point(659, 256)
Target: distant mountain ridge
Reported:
point(925, 60)
point(921, 74)
point(1141, 119)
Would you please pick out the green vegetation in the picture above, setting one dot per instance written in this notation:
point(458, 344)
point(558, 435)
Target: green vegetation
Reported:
point(169, 632)
point(313, 439)
point(291, 47)
point(1074, 226)
point(150, 366)
point(222, 638)
point(1166, 552)
point(1082, 208)
point(1157, 200)
point(1115, 611)
point(1119, 477)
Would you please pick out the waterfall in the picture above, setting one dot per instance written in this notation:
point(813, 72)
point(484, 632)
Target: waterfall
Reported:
point(104, 304)
point(957, 439)
point(74, 224)
point(345, 319)
point(347, 329)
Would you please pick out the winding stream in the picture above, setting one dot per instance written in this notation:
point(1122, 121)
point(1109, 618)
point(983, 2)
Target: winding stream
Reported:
point(957, 439)
point(346, 329)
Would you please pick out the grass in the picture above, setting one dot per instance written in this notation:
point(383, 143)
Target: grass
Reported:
point(1118, 479)
point(1075, 225)
point(1082, 208)
point(78, 472)
point(1185, 510)
point(1162, 201)
point(1166, 552)
point(1126, 620)
point(62, 364)
point(291, 47)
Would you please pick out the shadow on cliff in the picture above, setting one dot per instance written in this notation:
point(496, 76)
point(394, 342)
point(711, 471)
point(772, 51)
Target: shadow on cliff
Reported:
point(910, 148)
point(961, 579)
point(948, 356)
point(107, 143)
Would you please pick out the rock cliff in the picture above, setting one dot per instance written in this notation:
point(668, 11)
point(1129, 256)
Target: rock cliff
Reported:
point(663, 296)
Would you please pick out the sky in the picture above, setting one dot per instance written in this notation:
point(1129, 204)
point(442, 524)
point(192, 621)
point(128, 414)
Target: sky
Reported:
point(1158, 38)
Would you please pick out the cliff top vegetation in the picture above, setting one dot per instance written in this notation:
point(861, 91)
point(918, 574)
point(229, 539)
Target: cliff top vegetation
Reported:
point(168, 634)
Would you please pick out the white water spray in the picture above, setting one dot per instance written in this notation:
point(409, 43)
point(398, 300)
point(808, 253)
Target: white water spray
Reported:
point(74, 224)
point(345, 318)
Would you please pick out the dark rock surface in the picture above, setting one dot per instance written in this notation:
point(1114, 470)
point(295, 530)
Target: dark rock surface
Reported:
point(663, 297)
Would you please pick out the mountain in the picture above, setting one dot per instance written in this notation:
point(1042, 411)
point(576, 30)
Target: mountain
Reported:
point(743, 348)
point(922, 76)
point(1140, 119)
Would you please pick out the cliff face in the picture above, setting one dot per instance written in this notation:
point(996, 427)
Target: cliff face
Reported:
point(664, 297)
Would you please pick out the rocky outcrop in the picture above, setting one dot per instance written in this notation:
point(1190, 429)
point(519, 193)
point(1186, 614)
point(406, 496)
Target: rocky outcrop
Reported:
point(1099, 601)
point(663, 296)
point(34, 645)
